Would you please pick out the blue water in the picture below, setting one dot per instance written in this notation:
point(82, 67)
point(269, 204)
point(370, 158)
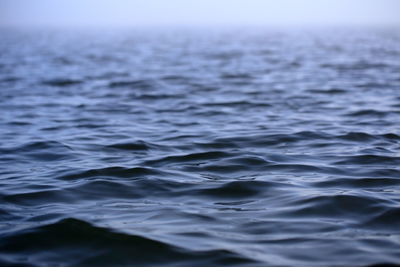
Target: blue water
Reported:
point(199, 148)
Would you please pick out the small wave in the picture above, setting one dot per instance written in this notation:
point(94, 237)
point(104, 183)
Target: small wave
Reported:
point(19, 123)
point(356, 66)
point(387, 221)
point(43, 145)
point(42, 151)
point(39, 197)
point(193, 157)
point(8, 79)
point(241, 76)
point(368, 112)
point(369, 160)
point(373, 85)
point(177, 78)
point(333, 91)
point(340, 206)
point(356, 183)
point(111, 172)
point(236, 190)
point(157, 96)
point(132, 146)
point(272, 139)
point(391, 136)
point(138, 84)
point(238, 104)
point(62, 82)
point(357, 136)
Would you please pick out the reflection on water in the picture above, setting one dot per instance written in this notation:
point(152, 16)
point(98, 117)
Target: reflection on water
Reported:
point(246, 148)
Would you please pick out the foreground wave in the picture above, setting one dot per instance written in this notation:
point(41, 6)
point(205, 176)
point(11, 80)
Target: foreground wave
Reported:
point(82, 244)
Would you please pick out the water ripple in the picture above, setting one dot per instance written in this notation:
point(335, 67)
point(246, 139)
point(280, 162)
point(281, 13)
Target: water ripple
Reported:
point(220, 148)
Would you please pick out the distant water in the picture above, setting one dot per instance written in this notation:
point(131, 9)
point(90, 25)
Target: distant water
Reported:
point(232, 148)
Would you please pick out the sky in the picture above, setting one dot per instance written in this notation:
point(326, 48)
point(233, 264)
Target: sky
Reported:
point(78, 13)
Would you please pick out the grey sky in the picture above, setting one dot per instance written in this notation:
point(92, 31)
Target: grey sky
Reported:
point(199, 12)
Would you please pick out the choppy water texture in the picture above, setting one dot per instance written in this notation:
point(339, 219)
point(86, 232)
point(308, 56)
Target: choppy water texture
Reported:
point(199, 148)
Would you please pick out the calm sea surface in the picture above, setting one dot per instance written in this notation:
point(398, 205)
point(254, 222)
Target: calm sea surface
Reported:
point(199, 148)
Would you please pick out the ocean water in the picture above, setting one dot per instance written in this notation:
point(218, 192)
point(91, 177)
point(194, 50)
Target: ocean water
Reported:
point(243, 147)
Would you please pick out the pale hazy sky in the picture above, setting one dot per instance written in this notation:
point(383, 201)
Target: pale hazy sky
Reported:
point(199, 12)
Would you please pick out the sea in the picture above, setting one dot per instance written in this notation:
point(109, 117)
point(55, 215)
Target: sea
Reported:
point(200, 147)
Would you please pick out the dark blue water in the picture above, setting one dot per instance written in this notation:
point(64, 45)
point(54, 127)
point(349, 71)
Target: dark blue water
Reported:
point(199, 148)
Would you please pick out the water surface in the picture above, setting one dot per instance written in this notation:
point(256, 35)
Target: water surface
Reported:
point(199, 148)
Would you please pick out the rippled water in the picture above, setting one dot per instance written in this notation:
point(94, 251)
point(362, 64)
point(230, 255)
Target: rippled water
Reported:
point(203, 148)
